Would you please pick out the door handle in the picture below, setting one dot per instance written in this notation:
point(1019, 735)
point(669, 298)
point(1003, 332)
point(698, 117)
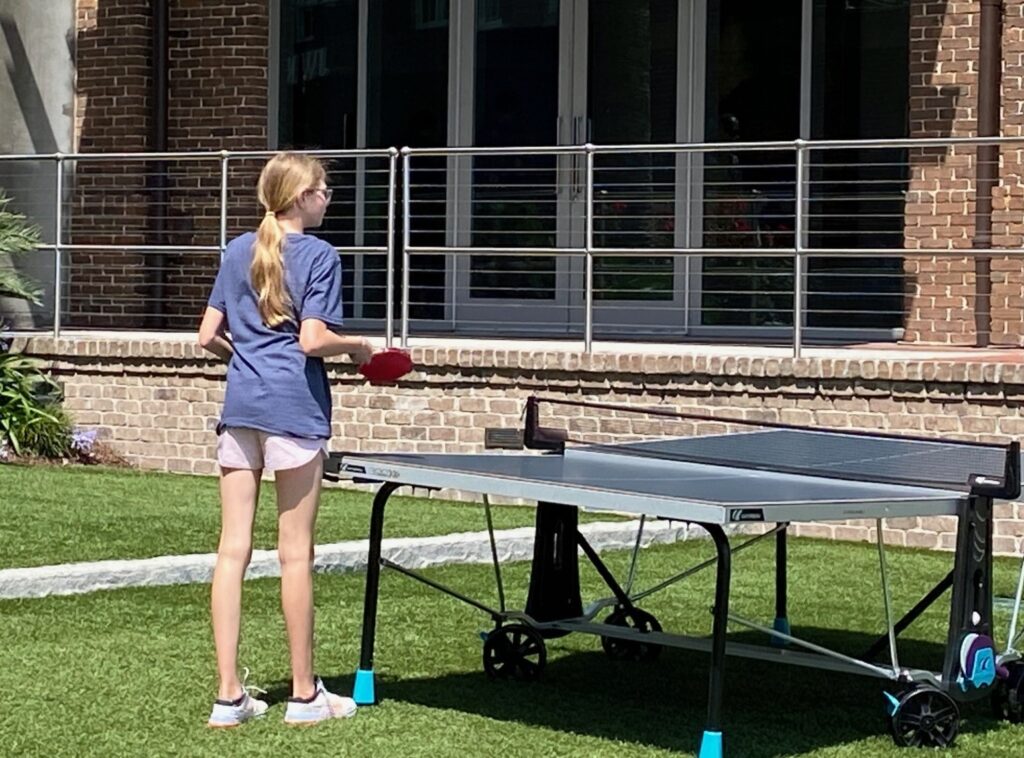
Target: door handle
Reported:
point(577, 188)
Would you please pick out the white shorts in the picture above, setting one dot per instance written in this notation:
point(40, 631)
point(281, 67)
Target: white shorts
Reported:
point(238, 447)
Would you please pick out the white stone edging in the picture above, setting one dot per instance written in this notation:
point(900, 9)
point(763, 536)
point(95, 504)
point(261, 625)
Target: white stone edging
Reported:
point(335, 558)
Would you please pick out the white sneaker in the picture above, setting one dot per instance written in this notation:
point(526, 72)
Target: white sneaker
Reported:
point(322, 706)
point(227, 713)
point(234, 712)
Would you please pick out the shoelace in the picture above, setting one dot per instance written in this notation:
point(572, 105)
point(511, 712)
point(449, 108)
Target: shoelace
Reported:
point(249, 689)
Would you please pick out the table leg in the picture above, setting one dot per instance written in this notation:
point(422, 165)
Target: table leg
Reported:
point(555, 575)
point(711, 742)
point(970, 613)
point(363, 692)
point(781, 589)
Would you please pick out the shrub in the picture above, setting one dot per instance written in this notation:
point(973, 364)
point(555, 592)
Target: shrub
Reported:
point(49, 435)
point(17, 236)
point(31, 419)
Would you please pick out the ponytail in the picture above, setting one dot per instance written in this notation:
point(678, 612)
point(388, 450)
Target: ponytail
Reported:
point(283, 179)
point(267, 272)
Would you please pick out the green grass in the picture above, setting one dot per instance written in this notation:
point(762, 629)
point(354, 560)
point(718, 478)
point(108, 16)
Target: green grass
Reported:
point(64, 515)
point(130, 672)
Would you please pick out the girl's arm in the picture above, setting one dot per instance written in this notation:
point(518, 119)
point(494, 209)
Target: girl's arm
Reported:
point(319, 341)
point(212, 337)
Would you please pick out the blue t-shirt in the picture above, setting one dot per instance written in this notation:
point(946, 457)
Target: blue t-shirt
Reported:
point(271, 384)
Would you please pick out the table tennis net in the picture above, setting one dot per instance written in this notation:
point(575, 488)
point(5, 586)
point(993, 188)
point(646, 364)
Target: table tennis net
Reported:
point(935, 464)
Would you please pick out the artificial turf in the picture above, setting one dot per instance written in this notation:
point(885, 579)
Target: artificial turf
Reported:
point(55, 515)
point(130, 672)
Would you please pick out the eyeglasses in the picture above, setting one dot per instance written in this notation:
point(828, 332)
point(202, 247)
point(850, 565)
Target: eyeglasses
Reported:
point(327, 192)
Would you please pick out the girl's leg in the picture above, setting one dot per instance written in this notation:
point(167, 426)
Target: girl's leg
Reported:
point(298, 497)
point(239, 491)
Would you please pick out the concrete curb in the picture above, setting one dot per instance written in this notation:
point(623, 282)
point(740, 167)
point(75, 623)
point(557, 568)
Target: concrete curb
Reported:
point(336, 558)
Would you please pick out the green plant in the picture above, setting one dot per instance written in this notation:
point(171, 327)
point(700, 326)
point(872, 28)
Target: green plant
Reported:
point(17, 236)
point(31, 419)
point(49, 435)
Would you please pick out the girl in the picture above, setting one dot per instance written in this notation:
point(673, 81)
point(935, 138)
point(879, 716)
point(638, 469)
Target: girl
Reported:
point(279, 293)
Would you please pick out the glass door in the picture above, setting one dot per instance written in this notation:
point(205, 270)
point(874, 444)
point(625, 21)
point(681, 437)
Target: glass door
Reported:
point(517, 97)
point(367, 74)
point(752, 94)
point(628, 77)
point(568, 72)
point(816, 70)
point(407, 82)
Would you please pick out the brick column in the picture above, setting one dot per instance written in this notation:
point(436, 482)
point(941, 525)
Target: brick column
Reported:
point(941, 194)
point(218, 58)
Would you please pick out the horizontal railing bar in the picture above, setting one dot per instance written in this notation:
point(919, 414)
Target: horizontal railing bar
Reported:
point(807, 145)
point(908, 142)
point(182, 248)
point(755, 252)
point(199, 155)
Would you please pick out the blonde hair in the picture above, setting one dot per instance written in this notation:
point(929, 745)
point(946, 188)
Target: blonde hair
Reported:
point(283, 179)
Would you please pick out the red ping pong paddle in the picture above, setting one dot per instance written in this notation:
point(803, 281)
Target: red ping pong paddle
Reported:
point(387, 366)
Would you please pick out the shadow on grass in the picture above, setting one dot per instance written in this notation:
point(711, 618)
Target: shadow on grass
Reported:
point(770, 709)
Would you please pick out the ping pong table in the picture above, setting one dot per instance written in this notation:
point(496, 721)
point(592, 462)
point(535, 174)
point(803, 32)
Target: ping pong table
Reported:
point(772, 474)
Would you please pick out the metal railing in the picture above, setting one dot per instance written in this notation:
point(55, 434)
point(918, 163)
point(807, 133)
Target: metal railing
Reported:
point(770, 239)
point(105, 207)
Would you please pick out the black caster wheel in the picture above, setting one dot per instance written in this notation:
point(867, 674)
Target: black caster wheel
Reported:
point(515, 651)
point(1008, 696)
point(631, 650)
point(923, 716)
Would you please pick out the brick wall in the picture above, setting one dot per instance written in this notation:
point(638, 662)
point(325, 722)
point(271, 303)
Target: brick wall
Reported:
point(157, 403)
point(941, 196)
point(217, 100)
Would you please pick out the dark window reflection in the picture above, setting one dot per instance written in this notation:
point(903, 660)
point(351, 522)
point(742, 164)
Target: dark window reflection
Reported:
point(859, 90)
point(407, 106)
point(631, 99)
point(516, 104)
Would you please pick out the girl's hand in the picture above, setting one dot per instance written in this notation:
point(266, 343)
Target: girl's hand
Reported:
point(362, 352)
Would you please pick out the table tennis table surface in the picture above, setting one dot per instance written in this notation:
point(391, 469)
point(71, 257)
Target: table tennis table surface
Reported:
point(765, 475)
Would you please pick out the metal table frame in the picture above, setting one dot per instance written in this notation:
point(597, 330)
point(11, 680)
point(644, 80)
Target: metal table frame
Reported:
point(970, 582)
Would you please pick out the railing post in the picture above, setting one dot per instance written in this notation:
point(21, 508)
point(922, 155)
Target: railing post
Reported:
point(223, 201)
point(58, 220)
point(588, 249)
point(406, 257)
point(389, 305)
point(798, 245)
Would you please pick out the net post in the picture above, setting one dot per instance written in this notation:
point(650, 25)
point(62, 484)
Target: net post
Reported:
point(537, 437)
